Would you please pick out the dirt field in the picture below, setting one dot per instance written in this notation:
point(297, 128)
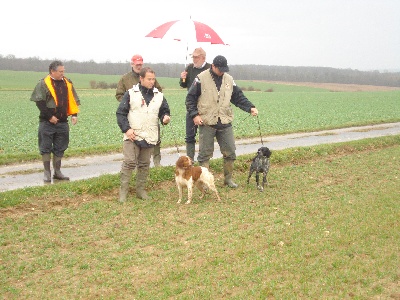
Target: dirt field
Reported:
point(337, 87)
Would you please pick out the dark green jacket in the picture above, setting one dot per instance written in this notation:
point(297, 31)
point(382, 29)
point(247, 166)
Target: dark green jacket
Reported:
point(46, 104)
point(127, 81)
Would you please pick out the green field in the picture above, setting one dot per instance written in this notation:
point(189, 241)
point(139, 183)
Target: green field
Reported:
point(326, 227)
point(288, 109)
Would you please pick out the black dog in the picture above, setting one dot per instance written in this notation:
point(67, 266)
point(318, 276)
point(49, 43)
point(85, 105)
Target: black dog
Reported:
point(260, 164)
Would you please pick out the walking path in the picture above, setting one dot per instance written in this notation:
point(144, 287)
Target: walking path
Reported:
point(31, 174)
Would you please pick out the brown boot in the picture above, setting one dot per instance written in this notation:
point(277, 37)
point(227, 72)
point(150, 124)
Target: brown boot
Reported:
point(124, 188)
point(57, 169)
point(46, 164)
point(205, 164)
point(228, 170)
point(141, 179)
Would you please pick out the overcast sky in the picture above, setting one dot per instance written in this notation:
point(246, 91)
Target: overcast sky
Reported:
point(356, 34)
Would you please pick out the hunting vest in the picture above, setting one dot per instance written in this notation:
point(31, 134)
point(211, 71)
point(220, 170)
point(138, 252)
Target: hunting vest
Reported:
point(214, 104)
point(143, 119)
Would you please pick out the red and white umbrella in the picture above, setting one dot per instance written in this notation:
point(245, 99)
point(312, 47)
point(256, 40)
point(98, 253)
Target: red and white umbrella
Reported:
point(189, 31)
point(181, 31)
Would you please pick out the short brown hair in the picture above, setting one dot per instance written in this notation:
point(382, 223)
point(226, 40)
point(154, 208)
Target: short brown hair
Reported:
point(146, 70)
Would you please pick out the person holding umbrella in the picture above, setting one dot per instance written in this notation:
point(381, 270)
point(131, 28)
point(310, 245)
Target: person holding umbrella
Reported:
point(187, 77)
point(208, 103)
point(126, 82)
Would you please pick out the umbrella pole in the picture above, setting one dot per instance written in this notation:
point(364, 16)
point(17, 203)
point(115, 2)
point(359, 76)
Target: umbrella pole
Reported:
point(186, 59)
point(187, 51)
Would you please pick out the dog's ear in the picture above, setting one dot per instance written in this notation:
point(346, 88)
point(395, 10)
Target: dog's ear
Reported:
point(182, 162)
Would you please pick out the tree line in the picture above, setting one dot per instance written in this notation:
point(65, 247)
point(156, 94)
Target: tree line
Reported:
point(239, 72)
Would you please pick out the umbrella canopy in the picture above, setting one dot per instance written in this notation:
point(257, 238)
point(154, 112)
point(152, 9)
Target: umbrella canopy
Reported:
point(180, 31)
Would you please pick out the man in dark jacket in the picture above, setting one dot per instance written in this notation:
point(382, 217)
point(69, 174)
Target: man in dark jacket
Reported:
point(56, 99)
point(208, 103)
point(187, 77)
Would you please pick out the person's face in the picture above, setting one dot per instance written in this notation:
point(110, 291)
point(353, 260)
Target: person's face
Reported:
point(59, 73)
point(148, 81)
point(136, 67)
point(198, 60)
point(217, 71)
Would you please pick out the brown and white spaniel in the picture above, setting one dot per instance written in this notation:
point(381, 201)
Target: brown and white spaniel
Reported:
point(188, 175)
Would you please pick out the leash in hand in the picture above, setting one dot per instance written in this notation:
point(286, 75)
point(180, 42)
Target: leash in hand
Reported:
point(259, 127)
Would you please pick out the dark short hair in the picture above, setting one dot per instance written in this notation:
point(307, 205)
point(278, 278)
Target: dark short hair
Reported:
point(145, 70)
point(54, 65)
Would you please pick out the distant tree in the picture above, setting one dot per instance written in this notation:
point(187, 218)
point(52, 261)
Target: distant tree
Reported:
point(239, 72)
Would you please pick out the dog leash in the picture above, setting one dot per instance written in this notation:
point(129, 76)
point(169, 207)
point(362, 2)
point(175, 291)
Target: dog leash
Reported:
point(173, 133)
point(259, 130)
point(259, 127)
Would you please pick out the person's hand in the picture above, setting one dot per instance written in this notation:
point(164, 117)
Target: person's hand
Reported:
point(166, 119)
point(53, 120)
point(130, 134)
point(74, 120)
point(183, 75)
point(197, 120)
point(254, 111)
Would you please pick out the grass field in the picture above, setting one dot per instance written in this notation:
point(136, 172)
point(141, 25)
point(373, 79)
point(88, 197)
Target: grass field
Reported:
point(288, 109)
point(327, 227)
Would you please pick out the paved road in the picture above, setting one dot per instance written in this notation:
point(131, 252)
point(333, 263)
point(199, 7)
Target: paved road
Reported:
point(31, 174)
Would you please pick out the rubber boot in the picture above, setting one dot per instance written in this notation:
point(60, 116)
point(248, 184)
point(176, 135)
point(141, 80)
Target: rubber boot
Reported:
point(205, 164)
point(157, 155)
point(228, 170)
point(57, 168)
point(141, 179)
point(125, 176)
point(190, 150)
point(46, 164)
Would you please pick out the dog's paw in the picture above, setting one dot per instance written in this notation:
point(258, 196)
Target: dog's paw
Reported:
point(179, 201)
point(187, 202)
point(260, 188)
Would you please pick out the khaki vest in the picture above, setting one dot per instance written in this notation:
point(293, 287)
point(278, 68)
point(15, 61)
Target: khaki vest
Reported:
point(143, 119)
point(213, 104)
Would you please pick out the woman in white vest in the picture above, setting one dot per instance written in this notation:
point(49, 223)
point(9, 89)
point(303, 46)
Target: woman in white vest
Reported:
point(208, 103)
point(138, 114)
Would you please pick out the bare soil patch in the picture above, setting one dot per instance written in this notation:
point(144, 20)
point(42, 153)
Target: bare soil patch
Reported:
point(338, 87)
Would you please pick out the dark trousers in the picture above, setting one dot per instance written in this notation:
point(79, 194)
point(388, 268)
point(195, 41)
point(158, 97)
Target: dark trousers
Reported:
point(225, 139)
point(53, 138)
point(191, 130)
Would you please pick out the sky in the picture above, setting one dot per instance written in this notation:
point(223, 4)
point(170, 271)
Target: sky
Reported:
point(346, 34)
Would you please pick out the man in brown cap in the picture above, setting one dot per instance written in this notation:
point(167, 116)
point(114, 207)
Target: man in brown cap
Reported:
point(126, 82)
point(187, 77)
